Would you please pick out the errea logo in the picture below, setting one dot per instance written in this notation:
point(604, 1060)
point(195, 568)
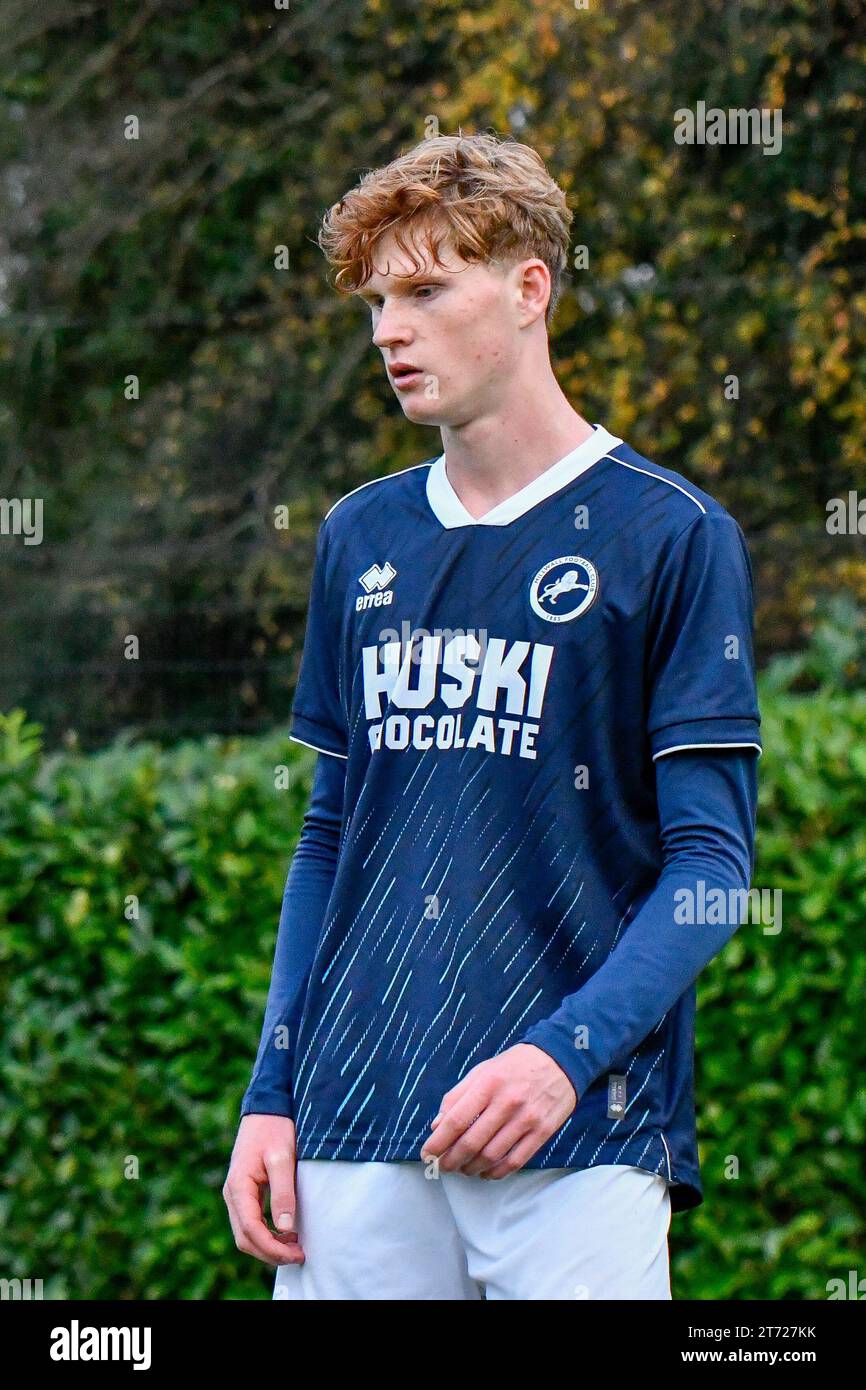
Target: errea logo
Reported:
point(376, 581)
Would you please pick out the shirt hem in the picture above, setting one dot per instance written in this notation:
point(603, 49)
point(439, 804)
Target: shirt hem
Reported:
point(683, 1178)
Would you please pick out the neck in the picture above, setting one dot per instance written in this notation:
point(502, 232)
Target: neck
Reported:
point(494, 456)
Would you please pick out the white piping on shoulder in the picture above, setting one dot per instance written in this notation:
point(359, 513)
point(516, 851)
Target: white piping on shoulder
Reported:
point(370, 483)
point(659, 478)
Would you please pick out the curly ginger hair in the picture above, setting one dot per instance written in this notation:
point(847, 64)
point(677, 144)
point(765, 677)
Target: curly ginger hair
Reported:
point(492, 199)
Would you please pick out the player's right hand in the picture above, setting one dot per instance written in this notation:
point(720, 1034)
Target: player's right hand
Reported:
point(264, 1157)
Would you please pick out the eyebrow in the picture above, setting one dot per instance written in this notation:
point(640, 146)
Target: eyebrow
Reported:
point(401, 282)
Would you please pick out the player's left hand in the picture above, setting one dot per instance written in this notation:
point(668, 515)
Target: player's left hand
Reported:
point(501, 1113)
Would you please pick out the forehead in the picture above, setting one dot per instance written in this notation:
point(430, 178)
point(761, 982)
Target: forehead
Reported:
point(392, 264)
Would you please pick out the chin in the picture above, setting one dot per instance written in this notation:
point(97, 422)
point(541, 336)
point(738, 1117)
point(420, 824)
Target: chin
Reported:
point(423, 412)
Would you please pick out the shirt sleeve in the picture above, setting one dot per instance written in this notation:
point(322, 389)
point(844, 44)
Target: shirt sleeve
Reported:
point(305, 902)
point(707, 811)
point(700, 670)
point(318, 718)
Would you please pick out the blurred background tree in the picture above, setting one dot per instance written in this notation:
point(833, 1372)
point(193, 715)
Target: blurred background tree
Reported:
point(159, 258)
point(174, 366)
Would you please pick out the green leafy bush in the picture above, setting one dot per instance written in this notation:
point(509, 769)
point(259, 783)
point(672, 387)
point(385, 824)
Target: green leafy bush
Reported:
point(781, 1051)
point(128, 1042)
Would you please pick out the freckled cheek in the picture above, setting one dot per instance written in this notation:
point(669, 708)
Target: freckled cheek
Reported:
point(478, 342)
point(491, 358)
point(471, 340)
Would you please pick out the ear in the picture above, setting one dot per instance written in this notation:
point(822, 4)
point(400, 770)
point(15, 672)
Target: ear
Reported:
point(533, 282)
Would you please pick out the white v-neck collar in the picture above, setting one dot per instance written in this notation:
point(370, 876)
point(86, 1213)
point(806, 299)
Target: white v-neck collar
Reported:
point(450, 511)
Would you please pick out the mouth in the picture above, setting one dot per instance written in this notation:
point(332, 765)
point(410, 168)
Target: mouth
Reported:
point(404, 377)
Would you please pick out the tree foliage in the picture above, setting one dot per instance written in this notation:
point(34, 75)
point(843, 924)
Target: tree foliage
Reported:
point(156, 257)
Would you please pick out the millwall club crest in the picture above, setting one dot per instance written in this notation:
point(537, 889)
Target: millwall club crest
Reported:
point(564, 589)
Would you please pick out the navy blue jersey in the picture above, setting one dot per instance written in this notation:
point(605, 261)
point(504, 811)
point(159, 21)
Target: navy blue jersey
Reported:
point(503, 691)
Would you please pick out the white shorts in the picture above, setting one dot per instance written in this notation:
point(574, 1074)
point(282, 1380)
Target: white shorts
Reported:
point(387, 1231)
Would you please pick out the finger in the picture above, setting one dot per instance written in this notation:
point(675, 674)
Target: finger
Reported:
point(516, 1157)
point(250, 1228)
point(467, 1127)
point(280, 1168)
point(451, 1097)
point(492, 1134)
point(288, 1231)
point(497, 1149)
point(448, 1129)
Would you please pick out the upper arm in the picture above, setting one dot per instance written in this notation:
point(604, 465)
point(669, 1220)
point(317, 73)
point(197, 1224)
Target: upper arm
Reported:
point(701, 690)
point(318, 715)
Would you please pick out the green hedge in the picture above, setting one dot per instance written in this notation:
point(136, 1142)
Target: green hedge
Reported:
point(781, 1047)
point(130, 1042)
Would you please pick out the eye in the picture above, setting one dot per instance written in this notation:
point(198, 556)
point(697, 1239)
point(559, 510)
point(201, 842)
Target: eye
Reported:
point(426, 288)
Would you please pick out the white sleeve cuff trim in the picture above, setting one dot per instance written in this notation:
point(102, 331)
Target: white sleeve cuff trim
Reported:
point(681, 747)
point(329, 751)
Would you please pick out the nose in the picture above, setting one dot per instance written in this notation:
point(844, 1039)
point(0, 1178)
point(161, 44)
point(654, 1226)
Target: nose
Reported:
point(389, 330)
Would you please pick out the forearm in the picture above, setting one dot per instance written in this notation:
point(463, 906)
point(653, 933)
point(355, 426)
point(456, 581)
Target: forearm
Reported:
point(305, 900)
point(707, 807)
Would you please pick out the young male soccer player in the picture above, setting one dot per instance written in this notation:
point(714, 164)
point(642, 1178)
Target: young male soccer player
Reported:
point(528, 673)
